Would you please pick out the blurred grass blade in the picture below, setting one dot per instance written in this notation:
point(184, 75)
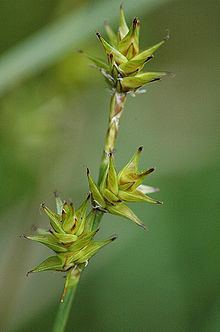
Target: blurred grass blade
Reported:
point(51, 43)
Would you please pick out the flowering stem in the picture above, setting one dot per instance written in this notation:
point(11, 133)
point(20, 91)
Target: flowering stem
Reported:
point(117, 103)
point(116, 108)
point(71, 283)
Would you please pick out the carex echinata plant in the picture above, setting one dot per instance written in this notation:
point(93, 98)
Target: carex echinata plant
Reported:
point(72, 231)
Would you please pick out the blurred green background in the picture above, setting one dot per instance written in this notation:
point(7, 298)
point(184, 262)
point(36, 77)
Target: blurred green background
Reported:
point(52, 122)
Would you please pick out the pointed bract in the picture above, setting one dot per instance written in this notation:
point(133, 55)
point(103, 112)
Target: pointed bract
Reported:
point(110, 196)
point(87, 252)
point(137, 81)
point(99, 63)
point(48, 240)
point(51, 263)
point(112, 179)
point(130, 168)
point(118, 57)
point(123, 28)
point(81, 216)
point(66, 238)
point(136, 196)
point(129, 45)
point(123, 210)
point(68, 218)
point(55, 219)
point(96, 195)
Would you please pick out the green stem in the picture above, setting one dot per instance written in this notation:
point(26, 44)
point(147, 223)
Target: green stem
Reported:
point(117, 103)
point(72, 280)
point(116, 108)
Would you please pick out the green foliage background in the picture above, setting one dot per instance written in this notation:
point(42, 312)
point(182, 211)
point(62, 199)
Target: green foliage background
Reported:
point(52, 123)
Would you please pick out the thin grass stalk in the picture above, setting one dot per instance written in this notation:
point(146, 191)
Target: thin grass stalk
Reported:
point(72, 280)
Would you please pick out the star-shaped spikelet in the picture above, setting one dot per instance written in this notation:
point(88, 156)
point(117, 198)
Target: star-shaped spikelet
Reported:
point(125, 60)
point(71, 237)
point(116, 189)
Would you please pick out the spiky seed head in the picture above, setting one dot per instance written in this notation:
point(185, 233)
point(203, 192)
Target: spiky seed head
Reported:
point(70, 237)
point(125, 60)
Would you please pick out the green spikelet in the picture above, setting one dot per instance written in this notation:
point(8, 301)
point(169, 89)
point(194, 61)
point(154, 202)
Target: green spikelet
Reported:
point(125, 59)
point(71, 237)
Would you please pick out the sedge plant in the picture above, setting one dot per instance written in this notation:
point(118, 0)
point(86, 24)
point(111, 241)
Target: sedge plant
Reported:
point(72, 231)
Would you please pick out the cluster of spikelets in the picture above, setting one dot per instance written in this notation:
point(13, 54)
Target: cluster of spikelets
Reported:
point(71, 235)
point(125, 60)
point(126, 186)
